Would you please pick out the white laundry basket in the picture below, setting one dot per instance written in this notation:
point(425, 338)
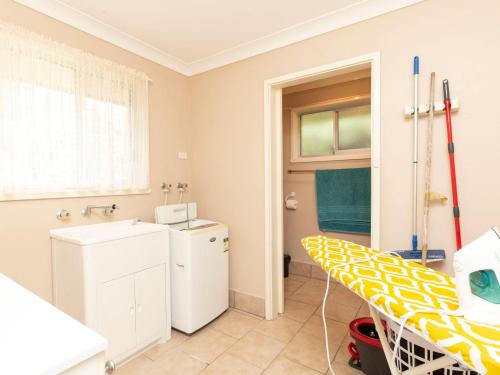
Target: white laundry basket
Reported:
point(414, 351)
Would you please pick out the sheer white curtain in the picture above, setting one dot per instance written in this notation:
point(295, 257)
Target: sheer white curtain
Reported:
point(71, 124)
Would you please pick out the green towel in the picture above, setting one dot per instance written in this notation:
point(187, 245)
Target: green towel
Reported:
point(343, 198)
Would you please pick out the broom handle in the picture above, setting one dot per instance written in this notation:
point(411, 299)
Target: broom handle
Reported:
point(428, 165)
point(416, 70)
point(451, 154)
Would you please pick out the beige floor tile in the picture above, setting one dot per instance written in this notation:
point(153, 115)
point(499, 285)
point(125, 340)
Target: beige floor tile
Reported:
point(281, 328)
point(291, 286)
point(176, 362)
point(344, 296)
point(311, 292)
point(308, 349)
point(318, 273)
point(228, 364)
point(235, 324)
point(207, 344)
point(140, 366)
point(298, 311)
point(338, 311)
point(344, 369)
point(158, 350)
point(342, 355)
point(257, 349)
point(336, 330)
point(283, 366)
point(363, 311)
point(302, 279)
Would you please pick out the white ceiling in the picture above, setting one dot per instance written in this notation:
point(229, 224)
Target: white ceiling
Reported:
point(192, 36)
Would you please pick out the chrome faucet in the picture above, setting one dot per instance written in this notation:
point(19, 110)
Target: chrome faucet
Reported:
point(106, 210)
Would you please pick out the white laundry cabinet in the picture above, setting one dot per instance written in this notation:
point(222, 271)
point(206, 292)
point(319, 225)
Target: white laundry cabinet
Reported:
point(115, 279)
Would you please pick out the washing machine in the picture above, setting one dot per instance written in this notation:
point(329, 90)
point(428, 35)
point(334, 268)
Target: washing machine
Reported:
point(199, 266)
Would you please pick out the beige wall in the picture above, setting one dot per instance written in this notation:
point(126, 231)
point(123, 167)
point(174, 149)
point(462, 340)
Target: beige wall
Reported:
point(24, 225)
point(219, 116)
point(456, 38)
point(304, 221)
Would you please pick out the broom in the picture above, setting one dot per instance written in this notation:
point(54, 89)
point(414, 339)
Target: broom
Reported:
point(425, 254)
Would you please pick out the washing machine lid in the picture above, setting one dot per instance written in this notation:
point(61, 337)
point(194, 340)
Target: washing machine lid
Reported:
point(193, 225)
point(175, 213)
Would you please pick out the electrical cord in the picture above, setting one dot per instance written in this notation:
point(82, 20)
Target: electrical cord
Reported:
point(327, 346)
point(404, 319)
point(325, 328)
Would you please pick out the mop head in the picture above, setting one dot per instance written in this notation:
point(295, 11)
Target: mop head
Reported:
point(433, 255)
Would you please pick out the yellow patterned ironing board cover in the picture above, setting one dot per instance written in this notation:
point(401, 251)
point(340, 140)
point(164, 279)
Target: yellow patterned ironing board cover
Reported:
point(395, 287)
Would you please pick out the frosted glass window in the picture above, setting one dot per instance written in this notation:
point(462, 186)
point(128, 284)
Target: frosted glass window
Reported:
point(354, 128)
point(316, 134)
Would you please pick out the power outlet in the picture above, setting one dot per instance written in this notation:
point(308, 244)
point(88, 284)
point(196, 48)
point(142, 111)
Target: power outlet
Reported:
point(183, 155)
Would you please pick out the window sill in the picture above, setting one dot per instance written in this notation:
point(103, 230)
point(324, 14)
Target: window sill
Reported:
point(72, 194)
point(336, 157)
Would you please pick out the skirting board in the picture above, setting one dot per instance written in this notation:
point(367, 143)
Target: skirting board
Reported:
point(312, 271)
point(246, 302)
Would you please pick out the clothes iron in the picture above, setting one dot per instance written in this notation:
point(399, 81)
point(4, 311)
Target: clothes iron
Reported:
point(477, 275)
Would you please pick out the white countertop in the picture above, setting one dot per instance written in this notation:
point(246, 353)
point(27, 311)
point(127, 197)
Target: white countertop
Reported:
point(98, 233)
point(37, 338)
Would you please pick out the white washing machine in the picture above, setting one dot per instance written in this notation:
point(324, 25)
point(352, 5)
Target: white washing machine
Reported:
point(199, 266)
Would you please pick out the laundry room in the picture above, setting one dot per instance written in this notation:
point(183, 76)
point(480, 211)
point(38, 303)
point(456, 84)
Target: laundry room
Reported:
point(275, 187)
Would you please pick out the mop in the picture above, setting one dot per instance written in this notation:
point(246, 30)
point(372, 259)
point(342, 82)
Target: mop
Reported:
point(429, 196)
point(415, 254)
point(451, 154)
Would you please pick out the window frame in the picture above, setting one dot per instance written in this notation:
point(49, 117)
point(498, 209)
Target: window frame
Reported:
point(329, 105)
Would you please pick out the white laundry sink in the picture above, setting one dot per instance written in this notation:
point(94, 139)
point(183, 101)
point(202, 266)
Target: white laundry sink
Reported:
point(96, 233)
point(115, 278)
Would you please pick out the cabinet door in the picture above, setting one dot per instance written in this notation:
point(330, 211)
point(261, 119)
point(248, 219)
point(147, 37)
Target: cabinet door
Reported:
point(150, 304)
point(116, 305)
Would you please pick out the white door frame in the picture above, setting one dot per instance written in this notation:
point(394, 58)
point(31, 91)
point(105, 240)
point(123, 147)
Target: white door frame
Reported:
point(273, 165)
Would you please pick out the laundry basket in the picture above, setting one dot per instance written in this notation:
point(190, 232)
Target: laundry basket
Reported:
point(414, 351)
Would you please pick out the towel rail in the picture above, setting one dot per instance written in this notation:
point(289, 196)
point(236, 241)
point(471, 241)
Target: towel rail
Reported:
point(290, 171)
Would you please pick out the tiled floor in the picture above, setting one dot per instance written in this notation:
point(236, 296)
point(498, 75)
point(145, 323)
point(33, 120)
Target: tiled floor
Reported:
point(240, 343)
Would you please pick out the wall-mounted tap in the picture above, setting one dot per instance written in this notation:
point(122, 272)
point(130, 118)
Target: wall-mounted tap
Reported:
point(181, 188)
point(106, 210)
point(166, 188)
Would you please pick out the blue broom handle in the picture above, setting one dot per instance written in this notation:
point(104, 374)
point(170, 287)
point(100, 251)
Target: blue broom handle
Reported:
point(416, 71)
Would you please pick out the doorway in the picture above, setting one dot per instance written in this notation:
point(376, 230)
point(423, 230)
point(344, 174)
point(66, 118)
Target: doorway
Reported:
point(273, 141)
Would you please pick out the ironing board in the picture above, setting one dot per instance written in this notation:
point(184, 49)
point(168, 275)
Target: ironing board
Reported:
point(395, 287)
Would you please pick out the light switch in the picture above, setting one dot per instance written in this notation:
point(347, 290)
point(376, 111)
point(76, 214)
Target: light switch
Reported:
point(183, 155)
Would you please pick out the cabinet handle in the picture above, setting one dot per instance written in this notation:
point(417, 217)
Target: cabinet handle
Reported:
point(110, 367)
point(132, 311)
point(139, 309)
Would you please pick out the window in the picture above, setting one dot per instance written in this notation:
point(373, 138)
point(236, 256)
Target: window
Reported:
point(339, 131)
point(71, 124)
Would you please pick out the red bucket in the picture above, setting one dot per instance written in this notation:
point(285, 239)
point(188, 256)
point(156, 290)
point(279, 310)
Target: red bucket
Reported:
point(366, 353)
